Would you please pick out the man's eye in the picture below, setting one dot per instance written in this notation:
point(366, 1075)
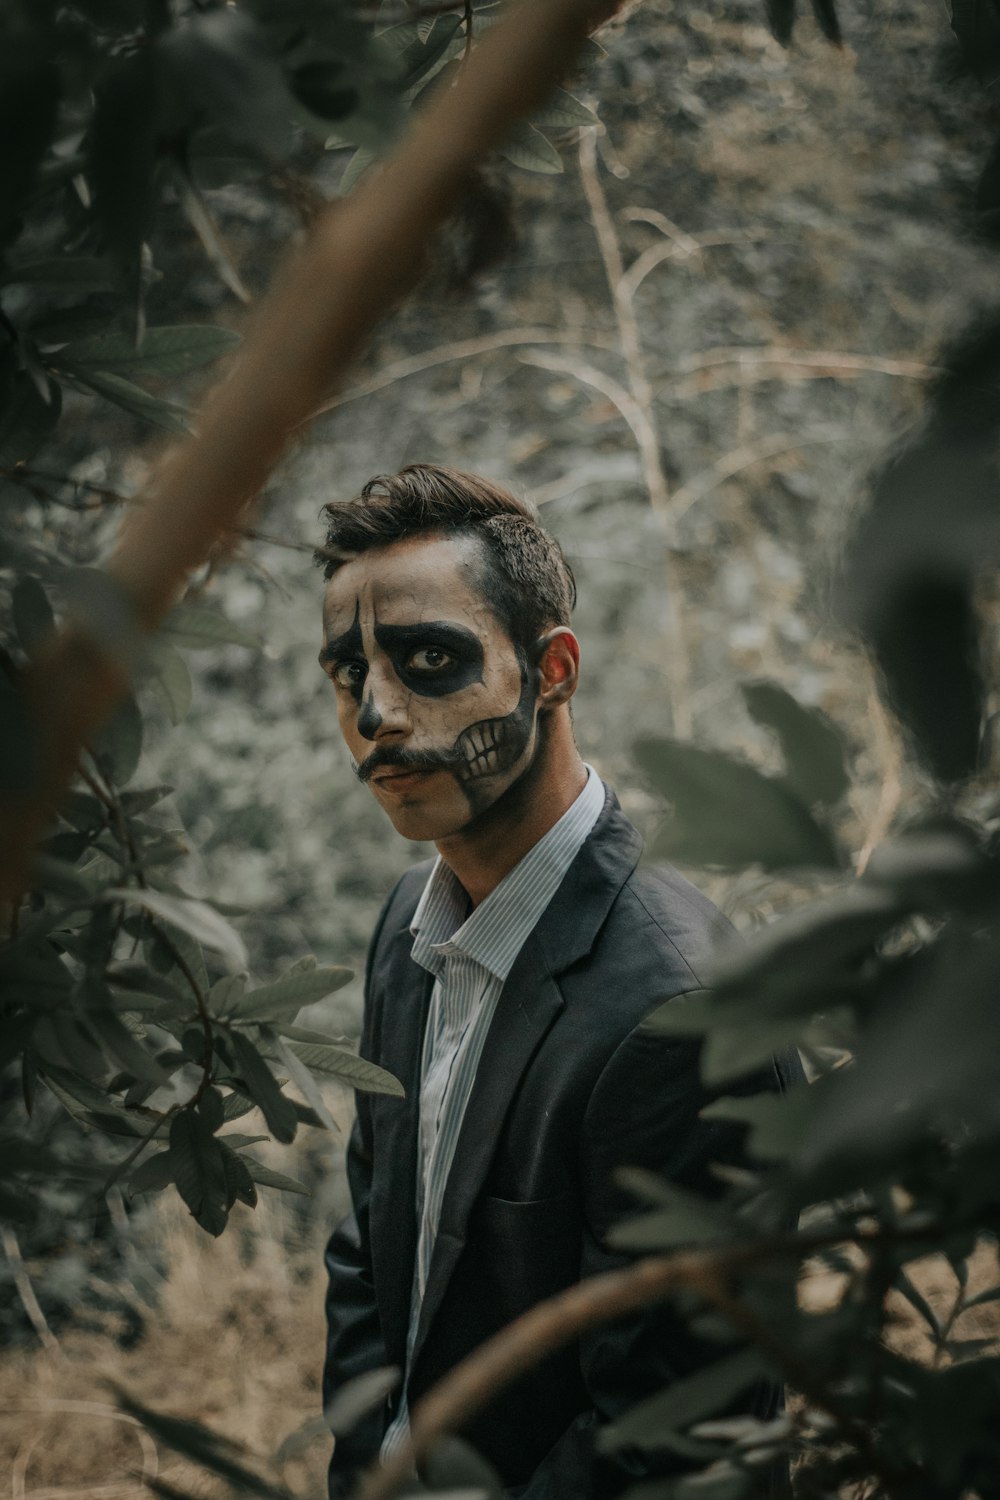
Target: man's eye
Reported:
point(348, 674)
point(430, 659)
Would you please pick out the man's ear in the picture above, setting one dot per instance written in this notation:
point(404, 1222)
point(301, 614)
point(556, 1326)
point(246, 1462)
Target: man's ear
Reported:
point(557, 654)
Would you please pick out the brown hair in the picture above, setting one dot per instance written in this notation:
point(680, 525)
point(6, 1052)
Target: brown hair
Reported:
point(526, 579)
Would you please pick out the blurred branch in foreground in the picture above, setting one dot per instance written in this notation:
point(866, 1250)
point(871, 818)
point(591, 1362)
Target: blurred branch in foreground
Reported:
point(363, 254)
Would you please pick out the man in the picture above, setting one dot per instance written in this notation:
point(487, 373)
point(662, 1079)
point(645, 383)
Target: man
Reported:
point(506, 988)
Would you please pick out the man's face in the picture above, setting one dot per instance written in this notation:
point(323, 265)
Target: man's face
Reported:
point(432, 700)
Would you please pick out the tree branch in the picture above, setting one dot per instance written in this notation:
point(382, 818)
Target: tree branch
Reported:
point(551, 1324)
point(416, 364)
point(362, 256)
point(644, 427)
point(26, 1292)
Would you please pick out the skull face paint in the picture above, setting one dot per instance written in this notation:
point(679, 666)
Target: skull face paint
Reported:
point(433, 698)
point(491, 746)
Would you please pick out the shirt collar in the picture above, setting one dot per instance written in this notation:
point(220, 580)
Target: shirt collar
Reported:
point(496, 931)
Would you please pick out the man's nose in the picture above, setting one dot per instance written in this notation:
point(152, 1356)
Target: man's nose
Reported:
point(383, 713)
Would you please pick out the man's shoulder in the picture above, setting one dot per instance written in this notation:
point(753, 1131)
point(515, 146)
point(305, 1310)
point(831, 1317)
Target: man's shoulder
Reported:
point(663, 927)
point(671, 901)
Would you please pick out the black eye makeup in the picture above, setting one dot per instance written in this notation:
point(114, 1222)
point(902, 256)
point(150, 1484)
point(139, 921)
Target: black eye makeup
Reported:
point(432, 658)
point(349, 674)
point(343, 657)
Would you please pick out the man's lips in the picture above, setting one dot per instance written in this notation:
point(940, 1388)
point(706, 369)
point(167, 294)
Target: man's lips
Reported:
point(399, 777)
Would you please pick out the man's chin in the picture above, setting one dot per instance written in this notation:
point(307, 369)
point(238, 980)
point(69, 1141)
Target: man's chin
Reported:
point(423, 808)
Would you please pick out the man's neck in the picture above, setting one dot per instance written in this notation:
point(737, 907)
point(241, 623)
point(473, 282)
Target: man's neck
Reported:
point(482, 854)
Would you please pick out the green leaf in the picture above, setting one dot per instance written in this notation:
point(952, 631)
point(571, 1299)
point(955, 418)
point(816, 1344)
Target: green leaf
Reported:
point(325, 89)
point(736, 1045)
point(561, 111)
point(19, 755)
point(304, 1080)
point(162, 958)
point(153, 1175)
point(86, 1101)
point(453, 1464)
point(67, 846)
point(173, 350)
point(937, 869)
point(684, 1015)
point(305, 1034)
point(348, 1068)
point(157, 847)
point(131, 398)
point(171, 679)
point(124, 1048)
point(283, 999)
point(122, 146)
point(353, 1401)
point(210, 1108)
point(198, 1170)
point(225, 995)
point(26, 417)
point(926, 1064)
point(33, 617)
point(235, 1106)
point(220, 65)
point(727, 813)
point(989, 1294)
point(197, 628)
point(143, 798)
point(29, 101)
point(267, 1177)
point(83, 811)
point(528, 149)
point(69, 271)
point(152, 1005)
point(683, 1218)
point(781, 18)
point(918, 1301)
point(277, 1109)
point(907, 578)
point(199, 920)
point(363, 158)
point(81, 1090)
point(810, 949)
point(239, 1183)
point(825, 12)
point(811, 746)
point(684, 1402)
point(120, 741)
point(776, 1120)
point(419, 57)
point(209, 1449)
point(200, 218)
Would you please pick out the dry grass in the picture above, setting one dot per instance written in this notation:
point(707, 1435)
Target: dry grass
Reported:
point(235, 1341)
point(908, 1333)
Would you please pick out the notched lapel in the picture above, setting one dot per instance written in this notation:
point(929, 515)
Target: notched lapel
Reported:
point(528, 1004)
point(393, 1203)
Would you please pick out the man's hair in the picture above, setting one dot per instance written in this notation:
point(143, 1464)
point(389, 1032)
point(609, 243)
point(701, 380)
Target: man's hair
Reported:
point(525, 579)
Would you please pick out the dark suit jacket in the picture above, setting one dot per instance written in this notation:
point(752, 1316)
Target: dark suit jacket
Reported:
point(569, 1087)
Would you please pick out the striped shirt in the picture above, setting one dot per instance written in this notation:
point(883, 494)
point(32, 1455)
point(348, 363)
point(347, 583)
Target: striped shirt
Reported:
point(470, 956)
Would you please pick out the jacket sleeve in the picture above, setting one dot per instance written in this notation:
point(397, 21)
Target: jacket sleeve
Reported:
point(643, 1111)
point(354, 1342)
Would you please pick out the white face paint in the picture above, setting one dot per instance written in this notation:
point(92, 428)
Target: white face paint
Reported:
point(431, 696)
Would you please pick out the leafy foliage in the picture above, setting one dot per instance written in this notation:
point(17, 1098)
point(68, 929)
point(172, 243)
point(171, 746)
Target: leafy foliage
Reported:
point(886, 1151)
point(125, 996)
point(125, 1004)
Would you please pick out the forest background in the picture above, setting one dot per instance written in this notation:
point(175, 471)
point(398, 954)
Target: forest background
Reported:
point(803, 218)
